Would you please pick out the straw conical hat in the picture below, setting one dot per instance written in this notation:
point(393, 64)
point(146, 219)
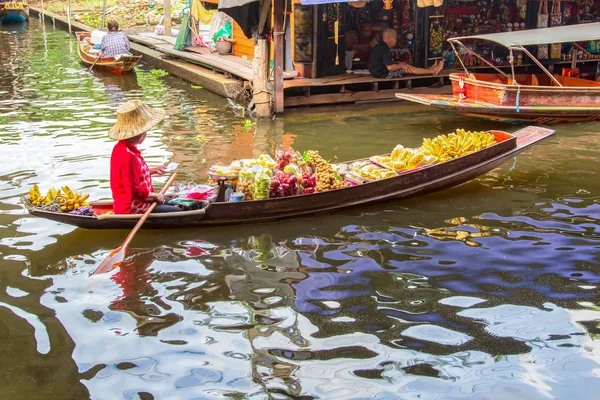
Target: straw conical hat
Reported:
point(133, 119)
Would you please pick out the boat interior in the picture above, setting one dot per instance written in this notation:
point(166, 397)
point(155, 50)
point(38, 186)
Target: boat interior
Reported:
point(532, 80)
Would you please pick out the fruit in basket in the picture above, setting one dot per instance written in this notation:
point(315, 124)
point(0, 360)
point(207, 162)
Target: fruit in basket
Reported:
point(457, 144)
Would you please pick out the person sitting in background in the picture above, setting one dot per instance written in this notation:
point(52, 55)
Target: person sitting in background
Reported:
point(598, 72)
point(114, 43)
point(382, 66)
point(375, 39)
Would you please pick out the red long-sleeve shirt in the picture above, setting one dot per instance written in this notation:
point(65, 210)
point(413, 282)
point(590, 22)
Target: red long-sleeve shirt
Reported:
point(130, 179)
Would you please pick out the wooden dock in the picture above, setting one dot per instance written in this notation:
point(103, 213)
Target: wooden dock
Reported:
point(336, 89)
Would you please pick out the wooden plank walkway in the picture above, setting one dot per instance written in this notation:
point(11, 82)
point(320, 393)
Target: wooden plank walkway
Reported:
point(199, 55)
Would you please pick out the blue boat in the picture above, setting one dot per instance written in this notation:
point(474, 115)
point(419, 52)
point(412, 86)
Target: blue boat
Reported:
point(13, 12)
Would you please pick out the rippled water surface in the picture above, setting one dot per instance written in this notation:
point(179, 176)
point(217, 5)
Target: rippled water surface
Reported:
point(485, 291)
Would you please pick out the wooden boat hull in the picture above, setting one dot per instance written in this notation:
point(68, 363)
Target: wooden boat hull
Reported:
point(429, 179)
point(508, 114)
point(122, 65)
point(14, 15)
point(533, 98)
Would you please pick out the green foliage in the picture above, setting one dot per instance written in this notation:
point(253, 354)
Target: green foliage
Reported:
point(158, 73)
point(91, 19)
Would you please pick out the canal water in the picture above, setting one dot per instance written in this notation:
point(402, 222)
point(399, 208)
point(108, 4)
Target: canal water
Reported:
point(485, 291)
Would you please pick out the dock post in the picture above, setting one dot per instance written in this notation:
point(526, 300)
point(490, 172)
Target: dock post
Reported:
point(103, 14)
point(167, 20)
point(278, 36)
point(69, 15)
point(260, 91)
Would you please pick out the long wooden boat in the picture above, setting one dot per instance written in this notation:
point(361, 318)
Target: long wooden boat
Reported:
point(14, 12)
point(429, 179)
point(125, 63)
point(517, 98)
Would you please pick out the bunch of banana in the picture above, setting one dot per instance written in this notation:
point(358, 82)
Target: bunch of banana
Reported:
point(457, 144)
point(36, 198)
point(72, 199)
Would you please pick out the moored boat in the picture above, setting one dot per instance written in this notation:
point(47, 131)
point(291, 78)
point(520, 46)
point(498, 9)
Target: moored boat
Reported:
point(124, 63)
point(13, 12)
point(416, 182)
point(517, 98)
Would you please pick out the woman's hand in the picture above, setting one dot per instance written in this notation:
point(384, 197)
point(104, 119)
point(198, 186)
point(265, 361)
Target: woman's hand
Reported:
point(160, 170)
point(156, 197)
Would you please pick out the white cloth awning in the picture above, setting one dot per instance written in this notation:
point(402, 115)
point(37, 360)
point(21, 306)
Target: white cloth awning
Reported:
point(532, 37)
point(234, 3)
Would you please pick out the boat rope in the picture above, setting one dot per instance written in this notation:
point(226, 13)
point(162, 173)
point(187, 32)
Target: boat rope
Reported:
point(514, 79)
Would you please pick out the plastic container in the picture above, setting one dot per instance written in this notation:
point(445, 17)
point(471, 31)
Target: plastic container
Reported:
point(228, 193)
point(96, 36)
point(236, 197)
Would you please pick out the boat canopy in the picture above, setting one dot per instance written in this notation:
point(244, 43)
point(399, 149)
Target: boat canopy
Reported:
point(532, 37)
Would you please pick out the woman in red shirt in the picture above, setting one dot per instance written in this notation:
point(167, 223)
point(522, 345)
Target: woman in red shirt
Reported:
point(130, 176)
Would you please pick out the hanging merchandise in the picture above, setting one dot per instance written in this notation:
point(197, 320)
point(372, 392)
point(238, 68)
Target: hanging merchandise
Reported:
point(303, 32)
point(542, 22)
point(436, 33)
point(555, 15)
point(555, 20)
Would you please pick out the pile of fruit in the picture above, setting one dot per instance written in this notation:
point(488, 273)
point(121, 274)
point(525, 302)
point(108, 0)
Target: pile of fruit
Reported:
point(292, 173)
point(65, 198)
point(457, 144)
point(327, 178)
point(283, 185)
point(308, 183)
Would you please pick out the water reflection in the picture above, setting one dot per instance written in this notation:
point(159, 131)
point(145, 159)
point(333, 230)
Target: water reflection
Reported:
point(315, 316)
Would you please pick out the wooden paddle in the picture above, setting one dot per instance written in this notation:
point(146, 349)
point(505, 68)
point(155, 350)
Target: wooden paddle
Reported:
point(117, 256)
point(90, 70)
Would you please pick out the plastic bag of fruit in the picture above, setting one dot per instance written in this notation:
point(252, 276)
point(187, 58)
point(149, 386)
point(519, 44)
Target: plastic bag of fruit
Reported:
point(292, 169)
point(262, 185)
point(308, 183)
point(246, 182)
point(266, 161)
point(283, 185)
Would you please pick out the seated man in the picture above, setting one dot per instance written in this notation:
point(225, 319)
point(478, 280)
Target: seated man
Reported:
point(381, 64)
point(114, 43)
point(598, 72)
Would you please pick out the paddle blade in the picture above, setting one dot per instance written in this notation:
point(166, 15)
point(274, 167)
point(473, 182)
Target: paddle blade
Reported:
point(114, 259)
